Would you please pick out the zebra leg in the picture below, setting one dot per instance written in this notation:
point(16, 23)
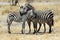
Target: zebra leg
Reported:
point(44, 28)
point(9, 24)
point(50, 29)
point(39, 27)
point(23, 28)
point(35, 27)
point(24, 18)
point(15, 3)
point(29, 23)
point(9, 28)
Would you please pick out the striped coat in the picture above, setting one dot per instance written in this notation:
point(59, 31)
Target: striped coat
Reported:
point(43, 17)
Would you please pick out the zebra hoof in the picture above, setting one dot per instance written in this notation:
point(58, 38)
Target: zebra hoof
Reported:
point(38, 31)
point(33, 32)
point(50, 31)
point(22, 32)
point(9, 32)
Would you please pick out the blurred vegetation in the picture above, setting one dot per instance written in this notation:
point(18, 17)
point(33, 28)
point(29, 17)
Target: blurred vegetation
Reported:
point(32, 0)
point(29, 1)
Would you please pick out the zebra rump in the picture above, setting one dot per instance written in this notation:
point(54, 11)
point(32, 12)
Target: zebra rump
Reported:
point(49, 17)
point(14, 17)
point(46, 15)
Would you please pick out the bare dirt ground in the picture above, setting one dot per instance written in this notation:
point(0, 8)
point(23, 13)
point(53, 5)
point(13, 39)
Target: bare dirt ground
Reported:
point(16, 27)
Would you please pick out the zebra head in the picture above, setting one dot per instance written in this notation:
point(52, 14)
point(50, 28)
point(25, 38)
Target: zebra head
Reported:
point(25, 8)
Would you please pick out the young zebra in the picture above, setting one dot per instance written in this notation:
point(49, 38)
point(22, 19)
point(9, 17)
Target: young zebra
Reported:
point(13, 16)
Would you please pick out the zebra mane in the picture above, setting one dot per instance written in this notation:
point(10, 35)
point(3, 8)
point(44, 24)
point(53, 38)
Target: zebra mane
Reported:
point(29, 6)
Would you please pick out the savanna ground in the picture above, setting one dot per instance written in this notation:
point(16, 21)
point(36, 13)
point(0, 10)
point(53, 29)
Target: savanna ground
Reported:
point(16, 27)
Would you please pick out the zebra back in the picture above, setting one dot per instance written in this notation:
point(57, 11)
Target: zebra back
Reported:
point(15, 16)
point(45, 16)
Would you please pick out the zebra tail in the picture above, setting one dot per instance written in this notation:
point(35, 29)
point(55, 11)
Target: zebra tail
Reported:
point(50, 18)
point(52, 21)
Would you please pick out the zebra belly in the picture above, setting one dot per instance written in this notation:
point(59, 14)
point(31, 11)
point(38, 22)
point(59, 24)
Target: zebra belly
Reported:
point(39, 20)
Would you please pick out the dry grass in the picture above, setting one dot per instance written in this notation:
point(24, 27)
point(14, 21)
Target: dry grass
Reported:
point(32, 0)
point(16, 27)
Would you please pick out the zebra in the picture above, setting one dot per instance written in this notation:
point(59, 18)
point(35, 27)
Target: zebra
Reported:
point(43, 17)
point(40, 13)
point(27, 18)
point(13, 16)
point(23, 10)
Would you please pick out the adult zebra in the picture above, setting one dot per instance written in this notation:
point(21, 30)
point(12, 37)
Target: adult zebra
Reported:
point(23, 11)
point(43, 17)
point(46, 12)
